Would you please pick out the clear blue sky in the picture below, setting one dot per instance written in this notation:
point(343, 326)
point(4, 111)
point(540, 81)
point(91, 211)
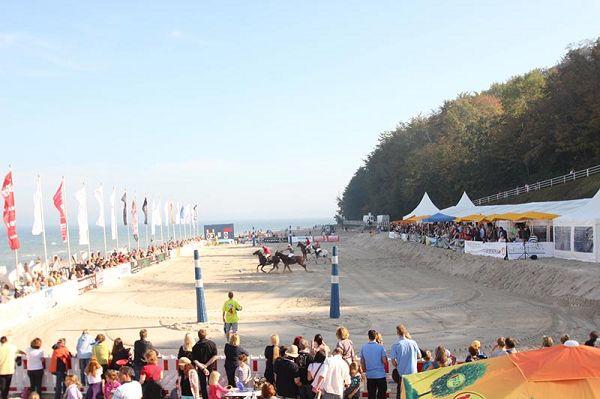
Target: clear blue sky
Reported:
point(253, 108)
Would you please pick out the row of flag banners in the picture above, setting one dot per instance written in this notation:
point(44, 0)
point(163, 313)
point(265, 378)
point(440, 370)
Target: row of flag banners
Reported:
point(174, 213)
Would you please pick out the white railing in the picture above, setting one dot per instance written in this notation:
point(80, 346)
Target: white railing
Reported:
point(538, 185)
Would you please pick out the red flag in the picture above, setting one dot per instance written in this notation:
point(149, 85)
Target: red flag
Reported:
point(59, 204)
point(9, 215)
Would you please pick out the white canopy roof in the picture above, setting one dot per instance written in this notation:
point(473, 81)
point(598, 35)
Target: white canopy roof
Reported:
point(586, 214)
point(556, 207)
point(464, 203)
point(425, 207)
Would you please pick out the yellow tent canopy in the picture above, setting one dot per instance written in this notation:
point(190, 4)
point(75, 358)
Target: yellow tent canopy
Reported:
point(533, 215)
point(476, 217)
point(414, 219)
point(503, 216)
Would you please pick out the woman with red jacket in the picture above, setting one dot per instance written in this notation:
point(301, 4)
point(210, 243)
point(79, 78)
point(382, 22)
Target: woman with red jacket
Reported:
point(60, 363)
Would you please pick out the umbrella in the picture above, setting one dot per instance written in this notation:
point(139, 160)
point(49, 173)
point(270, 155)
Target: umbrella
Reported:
point(556, 372)
point(438, 218)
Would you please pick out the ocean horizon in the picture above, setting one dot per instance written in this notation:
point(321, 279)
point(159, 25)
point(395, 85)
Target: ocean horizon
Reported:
point(32, 246)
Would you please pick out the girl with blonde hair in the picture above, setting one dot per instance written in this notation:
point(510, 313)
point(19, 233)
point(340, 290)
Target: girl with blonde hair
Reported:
point(272, 352)
point(93, 375)
point(215, 390)
point(185, 350)
point(345, 344)
point(72, 385)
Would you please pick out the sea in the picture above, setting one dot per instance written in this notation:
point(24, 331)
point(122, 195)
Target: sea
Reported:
point(33, 247)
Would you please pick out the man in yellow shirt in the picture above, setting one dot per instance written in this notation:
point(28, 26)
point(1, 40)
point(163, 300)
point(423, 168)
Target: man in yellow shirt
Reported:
point(230, 316)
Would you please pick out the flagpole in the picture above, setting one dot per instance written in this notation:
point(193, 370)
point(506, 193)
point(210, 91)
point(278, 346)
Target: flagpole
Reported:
point(162, 237)
point(114, 204)
point(88, 224)
point(137, 222)
point(66, 221)
point(172, 214)
point(104, 220)
point(128, 234)
point(146, 219)
point(43, 225)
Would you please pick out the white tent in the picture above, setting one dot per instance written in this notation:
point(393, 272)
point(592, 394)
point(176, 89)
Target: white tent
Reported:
point(464, 203)
point(556, 207)
point(576, 233)
point(425, 207)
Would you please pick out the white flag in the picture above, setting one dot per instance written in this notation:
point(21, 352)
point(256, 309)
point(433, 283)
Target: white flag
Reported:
point(113, 214)
point(99, 194)
point(167, 212)
point(82, 217)
point(153, 218)
point(38, 223)
point(177, 213)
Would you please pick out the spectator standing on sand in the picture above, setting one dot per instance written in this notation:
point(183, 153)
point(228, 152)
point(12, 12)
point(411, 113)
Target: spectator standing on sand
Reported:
point(318, 344)
point(230, 315)
point(185, 350)
point(233, 350)
point(272, 352)
point(315, 367)
point(404, 354)
point(93, 374)
point(60, 363)
point(35, 365)
point(287, 379)
point(188, 386)
point(84, 352)
point(129, 388)
point(101, 352)
point(8, 354)
point(500, 348)
point(334, 376)
point(373, 360)
point(140, 347)
point(303, 360)
point(204, 356)
point(345, 344)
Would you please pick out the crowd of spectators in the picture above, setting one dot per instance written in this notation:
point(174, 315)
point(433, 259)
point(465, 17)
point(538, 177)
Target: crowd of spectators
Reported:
point(34, 276)
point(471, 231)
point(298, 370)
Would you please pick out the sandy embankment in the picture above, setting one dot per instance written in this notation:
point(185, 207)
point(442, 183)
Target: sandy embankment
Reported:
point(443, 297)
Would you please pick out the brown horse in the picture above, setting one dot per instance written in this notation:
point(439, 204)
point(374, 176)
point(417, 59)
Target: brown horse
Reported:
point(291, 260)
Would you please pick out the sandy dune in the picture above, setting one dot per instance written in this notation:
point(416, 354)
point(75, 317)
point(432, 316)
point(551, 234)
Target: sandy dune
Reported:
point(443, 297)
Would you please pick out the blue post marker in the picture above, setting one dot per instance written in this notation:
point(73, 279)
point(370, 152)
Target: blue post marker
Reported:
point(200, 301)
point(334, 304)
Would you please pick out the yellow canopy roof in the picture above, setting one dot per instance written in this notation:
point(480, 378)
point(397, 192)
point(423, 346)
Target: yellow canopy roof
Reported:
point(414, 219)
point(533, 215)
point(504, 216)
point(476, 217)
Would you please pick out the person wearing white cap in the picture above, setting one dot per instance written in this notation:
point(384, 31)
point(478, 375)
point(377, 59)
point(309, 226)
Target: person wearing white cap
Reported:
point(188, 385)
point(286, 370)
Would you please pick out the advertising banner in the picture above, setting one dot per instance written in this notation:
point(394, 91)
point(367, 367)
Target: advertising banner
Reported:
point(516, 250)
point(493, 249)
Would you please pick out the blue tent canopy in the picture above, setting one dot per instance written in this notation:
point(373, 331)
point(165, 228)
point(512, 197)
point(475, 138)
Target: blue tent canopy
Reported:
point(438, 218)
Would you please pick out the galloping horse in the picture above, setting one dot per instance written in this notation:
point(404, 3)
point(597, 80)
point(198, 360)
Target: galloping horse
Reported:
point(291, 260)
point(263, 261)
point(318, 252)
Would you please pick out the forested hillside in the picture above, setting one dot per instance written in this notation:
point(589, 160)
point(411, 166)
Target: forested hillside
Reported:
point(534, 126)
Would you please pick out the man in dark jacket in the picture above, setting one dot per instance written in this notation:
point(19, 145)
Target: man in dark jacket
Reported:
point(140, 347)
point(204, 354)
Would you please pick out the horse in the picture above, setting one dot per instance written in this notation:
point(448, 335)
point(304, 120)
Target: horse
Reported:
point(319, 253)
point(264, 261)
point(291, 260)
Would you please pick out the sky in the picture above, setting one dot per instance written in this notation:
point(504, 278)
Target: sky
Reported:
point(252, 109)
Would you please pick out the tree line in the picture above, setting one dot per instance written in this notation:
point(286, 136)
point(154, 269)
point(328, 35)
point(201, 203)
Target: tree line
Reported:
point(534, 126)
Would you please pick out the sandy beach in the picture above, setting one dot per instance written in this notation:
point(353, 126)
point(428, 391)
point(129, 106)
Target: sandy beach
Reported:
point(443, 298)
